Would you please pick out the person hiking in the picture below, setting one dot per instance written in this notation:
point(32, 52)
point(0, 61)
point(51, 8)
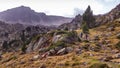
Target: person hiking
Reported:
point(81, 35)
point(86, 37)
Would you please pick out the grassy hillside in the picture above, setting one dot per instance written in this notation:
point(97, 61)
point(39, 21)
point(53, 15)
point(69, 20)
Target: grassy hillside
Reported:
point(102, 52)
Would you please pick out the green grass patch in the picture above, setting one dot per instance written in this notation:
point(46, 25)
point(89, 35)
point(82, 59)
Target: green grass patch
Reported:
point(59, 43)
point(99, 65)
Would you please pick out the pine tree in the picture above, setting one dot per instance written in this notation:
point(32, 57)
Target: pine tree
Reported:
point(89, 18)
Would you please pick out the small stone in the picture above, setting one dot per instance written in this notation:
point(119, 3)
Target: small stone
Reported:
point(118, 36)
point(62, 51)
point(43, 66)
point(78, 51)
point(107, 58)
point(91, 54)
point(22, 62)
point(117, 55)
point(45, 55)
point(36, 57)
point(61, 64)
point(111, 28)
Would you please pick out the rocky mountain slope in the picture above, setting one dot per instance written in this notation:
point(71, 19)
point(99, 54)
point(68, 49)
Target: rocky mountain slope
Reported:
point(67, 49)
point(63, 47)
point(25, 15)
point(99, 19)
point(110, 16)
point(11, 35)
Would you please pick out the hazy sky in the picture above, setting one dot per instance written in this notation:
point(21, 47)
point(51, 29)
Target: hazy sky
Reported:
point(62, 7)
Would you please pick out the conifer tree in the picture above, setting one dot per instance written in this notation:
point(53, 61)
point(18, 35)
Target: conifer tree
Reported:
point(89, 18)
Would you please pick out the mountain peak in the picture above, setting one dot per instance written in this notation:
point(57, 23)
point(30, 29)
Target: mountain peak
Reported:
point(23, 7)
point(25, 15)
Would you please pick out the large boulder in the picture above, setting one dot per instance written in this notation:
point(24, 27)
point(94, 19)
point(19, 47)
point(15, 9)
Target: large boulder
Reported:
point(37, 44)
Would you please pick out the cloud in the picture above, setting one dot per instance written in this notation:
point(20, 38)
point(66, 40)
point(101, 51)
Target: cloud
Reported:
point(108, 0)
point(78, 11)
point(61, 7)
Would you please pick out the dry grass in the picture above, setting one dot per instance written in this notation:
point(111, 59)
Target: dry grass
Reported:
point(70, 60)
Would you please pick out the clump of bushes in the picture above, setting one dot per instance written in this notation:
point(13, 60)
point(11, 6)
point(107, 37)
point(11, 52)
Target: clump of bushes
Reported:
point(67, 63)
point(97, 48)
point(96, 38)
point(86, 47)
point(72, 37)
point(99, 65)
point(76, 63)
point(66, 28)
point(61, 32)
point(59, 43)
point(57, 32)
point(23, 48)
point(35, 37)
point(72, 33)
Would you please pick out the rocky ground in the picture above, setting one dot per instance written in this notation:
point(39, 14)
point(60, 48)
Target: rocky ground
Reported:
point(66, 49)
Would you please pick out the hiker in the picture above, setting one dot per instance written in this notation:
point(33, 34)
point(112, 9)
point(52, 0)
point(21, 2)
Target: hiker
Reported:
point(81, 35)
point(86, 37)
